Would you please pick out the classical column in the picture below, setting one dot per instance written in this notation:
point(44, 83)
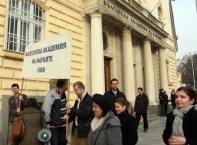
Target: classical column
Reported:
point(128, 71)
point(87, 50)
point(97, 57)
point(162, 69)
point(148, 72)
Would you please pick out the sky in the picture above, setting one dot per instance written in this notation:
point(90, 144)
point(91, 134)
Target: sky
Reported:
point(185, 18)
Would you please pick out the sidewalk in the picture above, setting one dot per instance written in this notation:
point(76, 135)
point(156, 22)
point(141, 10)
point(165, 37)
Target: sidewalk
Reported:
point(154, 134)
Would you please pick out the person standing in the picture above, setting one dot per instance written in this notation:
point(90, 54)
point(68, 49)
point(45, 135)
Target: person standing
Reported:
point(173, 98)
point(162, 101)
point(105, 127)
point(14, 109)
point(32, 119)
point(181, 123)
point(113, 94)
point(127, 121)
point(54, 109)
point(81, 114)
point(141, 105)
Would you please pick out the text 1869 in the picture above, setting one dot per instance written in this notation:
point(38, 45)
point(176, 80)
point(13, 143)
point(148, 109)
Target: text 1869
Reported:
point(41, 70)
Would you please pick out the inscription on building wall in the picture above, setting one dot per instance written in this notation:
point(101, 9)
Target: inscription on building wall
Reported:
point(131, 20)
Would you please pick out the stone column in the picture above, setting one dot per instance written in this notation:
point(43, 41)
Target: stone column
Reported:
point(162, 69)
point(128, 71)
point(97, 57)
point(87, 50)
point(148, 72)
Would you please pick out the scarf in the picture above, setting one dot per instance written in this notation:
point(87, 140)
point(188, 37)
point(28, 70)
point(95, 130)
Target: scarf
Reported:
point(177, 127)
point(96, 122)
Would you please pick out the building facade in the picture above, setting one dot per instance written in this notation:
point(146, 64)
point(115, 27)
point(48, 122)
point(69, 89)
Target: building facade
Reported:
point(131, 40)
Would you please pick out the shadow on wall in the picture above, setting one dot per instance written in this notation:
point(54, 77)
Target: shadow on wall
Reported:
point(4, 117)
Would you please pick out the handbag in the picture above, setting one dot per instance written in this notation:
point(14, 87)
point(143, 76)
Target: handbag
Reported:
point(18, 131)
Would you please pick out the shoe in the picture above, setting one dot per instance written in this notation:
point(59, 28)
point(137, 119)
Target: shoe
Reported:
point(145, 130)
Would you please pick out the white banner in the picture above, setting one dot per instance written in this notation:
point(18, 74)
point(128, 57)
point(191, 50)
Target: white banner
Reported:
point(49, 59)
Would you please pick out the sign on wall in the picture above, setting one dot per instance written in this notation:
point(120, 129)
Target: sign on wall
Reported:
point(49, 59)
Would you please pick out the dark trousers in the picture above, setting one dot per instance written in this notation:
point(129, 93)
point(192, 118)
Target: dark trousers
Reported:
point(58, 136)
point(144, 116)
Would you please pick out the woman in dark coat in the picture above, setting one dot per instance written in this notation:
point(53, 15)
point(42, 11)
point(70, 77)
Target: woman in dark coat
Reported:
point(127, 121)
point(31, 117)
point(181, 124)
point(105, 127)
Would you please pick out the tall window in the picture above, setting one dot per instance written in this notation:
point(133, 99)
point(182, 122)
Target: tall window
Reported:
point(25, 25)
point(160, 13)
point(167, 70)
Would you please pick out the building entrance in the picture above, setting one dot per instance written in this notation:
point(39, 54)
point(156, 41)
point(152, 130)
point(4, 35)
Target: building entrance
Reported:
point(107, 74)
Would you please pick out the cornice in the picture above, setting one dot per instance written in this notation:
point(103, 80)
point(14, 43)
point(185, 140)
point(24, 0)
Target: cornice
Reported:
point(70, 5)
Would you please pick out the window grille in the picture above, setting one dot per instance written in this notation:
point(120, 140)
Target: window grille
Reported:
point(25, 24)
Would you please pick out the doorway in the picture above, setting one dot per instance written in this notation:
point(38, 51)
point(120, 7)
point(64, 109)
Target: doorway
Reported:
point(107, 74)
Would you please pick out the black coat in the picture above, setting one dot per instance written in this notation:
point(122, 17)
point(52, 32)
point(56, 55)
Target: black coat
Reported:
point(189, 127)
point(128, 128)
point(111, 97)
point(141, 103)
point(173, 99)
point(85, 116)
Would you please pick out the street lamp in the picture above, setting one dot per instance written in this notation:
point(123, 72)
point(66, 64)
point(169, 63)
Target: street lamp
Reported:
point(193, 70)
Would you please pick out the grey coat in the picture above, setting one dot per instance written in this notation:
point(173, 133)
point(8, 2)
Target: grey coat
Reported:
point(110, 134)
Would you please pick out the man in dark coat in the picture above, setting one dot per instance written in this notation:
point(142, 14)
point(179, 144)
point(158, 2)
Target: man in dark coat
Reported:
point(163, 100)
point(173, 98)
point(14, 110)
point(81, 114)
point(141, 105)
point(113, 94)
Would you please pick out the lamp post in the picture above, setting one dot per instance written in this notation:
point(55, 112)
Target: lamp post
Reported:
point(193, 70)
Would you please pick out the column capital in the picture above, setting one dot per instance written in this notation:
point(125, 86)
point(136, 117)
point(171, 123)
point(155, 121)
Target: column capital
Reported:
point(127, 29)
point(85, 17)
point(147, 40)
point(96, 13)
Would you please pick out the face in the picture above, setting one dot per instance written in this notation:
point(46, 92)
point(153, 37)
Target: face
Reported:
point(97, 110)
point(65, 87)
point(15, 90)
point(114, 85)
point(120, 108)
point(78, 91)
point(183, 100)
point(139, 91)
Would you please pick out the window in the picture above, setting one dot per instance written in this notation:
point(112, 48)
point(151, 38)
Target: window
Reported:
point(159, 13)
point(25, 24)
point(167, 70)
point(138, 1)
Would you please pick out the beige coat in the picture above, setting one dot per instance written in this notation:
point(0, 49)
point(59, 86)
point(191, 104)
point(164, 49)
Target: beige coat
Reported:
point(31, 118)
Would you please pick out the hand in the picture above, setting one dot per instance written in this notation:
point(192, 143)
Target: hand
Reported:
point(48, 126)
point(21, 98)
point(68, 105)
point(175, 140)
point(18, 110)
point(66, 117)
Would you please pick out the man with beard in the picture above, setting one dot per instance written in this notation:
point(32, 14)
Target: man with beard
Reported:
point(113, 94)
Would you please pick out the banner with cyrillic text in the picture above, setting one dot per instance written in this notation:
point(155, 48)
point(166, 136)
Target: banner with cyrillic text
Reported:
point(49, 59)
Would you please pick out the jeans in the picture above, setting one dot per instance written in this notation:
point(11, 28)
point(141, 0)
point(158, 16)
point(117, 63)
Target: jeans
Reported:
point(58, 136)
point(144, 116)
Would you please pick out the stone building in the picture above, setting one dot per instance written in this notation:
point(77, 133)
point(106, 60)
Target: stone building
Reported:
point(131, 40)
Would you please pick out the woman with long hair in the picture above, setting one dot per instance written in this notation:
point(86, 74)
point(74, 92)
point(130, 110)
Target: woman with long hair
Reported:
point(127, 121)
point(181, 124)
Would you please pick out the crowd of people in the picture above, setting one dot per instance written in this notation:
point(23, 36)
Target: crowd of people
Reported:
point(101, 119)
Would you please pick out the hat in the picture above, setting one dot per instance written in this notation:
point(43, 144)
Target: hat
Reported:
point(101, 101)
